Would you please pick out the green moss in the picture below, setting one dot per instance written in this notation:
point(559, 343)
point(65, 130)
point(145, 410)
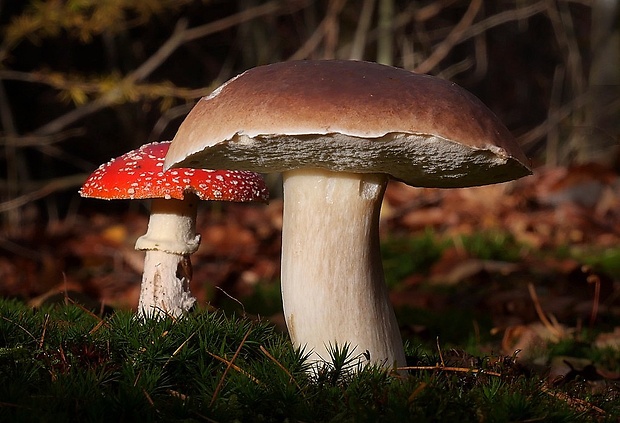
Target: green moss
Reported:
point(606, 260)
point(492, 245)
point(63, 364)
point(405, 256)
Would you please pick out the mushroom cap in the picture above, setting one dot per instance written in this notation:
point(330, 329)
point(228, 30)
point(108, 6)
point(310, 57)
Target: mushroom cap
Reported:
point(349, 116)
point(139, 174)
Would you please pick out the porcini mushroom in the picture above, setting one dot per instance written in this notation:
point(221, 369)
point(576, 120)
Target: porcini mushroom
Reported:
point(171, 235)
point(337, 130)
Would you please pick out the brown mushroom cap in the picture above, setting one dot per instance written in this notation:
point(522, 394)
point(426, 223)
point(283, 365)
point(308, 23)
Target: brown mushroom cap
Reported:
point(139, 174)
point(349, 116)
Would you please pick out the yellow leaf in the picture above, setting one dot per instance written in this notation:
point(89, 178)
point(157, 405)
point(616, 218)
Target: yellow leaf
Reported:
point(77, 95)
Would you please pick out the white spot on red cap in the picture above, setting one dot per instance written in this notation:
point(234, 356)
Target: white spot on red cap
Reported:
point(138, 174)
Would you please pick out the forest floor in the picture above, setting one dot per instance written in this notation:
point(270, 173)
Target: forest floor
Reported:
point(506, 267)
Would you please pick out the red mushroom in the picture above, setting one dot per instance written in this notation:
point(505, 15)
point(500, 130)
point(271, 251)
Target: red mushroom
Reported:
point(171, 236)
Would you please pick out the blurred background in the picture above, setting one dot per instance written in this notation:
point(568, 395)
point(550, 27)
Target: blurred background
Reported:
point(82, 81)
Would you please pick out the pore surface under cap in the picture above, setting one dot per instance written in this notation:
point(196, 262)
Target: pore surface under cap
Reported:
point(349, 116)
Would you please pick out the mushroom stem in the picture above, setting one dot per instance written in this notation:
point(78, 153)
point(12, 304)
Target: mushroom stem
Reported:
point(172, 226)
point(165, 285)
point(170, 239)
point(333, 289)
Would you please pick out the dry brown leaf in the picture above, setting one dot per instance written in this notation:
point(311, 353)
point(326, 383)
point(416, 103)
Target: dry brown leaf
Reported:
point(531, 339)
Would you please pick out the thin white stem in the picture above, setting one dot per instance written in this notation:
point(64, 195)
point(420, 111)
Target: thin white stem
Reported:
point(172, 226)
point(333, 288)
point(170, 239)
point(165, 285)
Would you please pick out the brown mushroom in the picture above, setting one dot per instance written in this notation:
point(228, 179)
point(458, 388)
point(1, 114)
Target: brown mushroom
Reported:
point(337, 130)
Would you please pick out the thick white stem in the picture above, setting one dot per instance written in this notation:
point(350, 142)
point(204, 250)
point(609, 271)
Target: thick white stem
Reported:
point(333, 288)
point(170, 239)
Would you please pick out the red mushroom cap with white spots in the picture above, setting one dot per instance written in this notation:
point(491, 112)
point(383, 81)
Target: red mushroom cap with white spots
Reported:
point(139, 174)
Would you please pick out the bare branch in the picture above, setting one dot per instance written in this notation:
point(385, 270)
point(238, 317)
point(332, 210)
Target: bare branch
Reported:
point(176, 39)
point(74, 115)
point(35, 141)
point(10, 150)
point(321, 33)
point(502, 18)
point(165, 119)
point(455, 37)
point(50, 187)
point(359, 41)
point(179, 36)
point(273, 7)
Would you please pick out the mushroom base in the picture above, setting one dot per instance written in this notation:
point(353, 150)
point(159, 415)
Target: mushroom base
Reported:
point(170, 239)
point(333, 288)
point(165, 285)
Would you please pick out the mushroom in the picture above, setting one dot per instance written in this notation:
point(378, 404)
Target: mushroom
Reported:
point(337, 130)
point(171, 235)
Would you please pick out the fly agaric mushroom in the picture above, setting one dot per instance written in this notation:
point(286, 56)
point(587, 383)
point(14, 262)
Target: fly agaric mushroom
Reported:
point(337, 130)
point(171, 235)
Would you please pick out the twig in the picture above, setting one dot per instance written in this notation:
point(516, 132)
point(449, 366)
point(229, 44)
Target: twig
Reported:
point(12, 157)
point(18, 249)
point(431, 10)
point(34, 141)
point(385, 32)
point(234, 367)
point(457, 68)
point(100, 86)
point(181, 346)
point(319, 33)
point(166, 117)
point(234, 299)
point(481, 59)
point(42, 340)
point(416, 392)
point(179, 36)
point(451, 369)
point(359, 40)
point(506, 16)
point(562, 25)
point(221, 382)
point(163, 52)
point(412, 13)
point(19, 326)
point(541, 314)
point(553, 137)
point(138, 376)
point(58, 124)
point(596, 280)
point(249, 14)
point(455, 37)
point(97, 326)
point(101, 322)
point(48, 188)
point(576, 403)
point(443, 364)
point(554, 118)
point(332, 28)
point(311, 43)
point(149, 399)
point(272, 358)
